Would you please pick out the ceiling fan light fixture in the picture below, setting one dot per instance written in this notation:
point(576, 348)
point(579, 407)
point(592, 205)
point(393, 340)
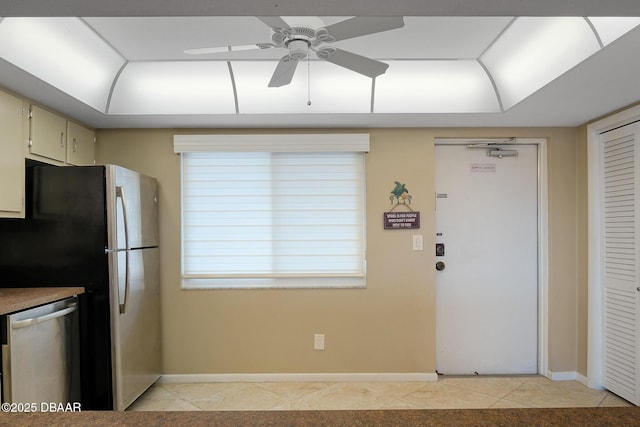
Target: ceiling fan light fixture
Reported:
point(298, 48)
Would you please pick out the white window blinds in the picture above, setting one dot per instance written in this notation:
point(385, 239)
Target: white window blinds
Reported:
point(289, 217)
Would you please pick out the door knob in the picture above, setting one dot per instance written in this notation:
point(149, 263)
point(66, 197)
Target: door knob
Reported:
point(440, 266)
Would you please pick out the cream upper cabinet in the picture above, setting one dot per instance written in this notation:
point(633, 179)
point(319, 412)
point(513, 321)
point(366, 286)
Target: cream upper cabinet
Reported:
point(80, 145)
point(13, 119)
point(48, 134)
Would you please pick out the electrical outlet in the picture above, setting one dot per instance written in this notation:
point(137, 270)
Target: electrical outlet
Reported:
point(318, 341)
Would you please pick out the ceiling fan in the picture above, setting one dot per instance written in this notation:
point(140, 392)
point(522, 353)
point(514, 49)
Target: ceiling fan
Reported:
point(300, 40)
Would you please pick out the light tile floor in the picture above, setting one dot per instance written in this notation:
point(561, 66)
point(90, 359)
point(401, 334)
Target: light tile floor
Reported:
point(447, 392)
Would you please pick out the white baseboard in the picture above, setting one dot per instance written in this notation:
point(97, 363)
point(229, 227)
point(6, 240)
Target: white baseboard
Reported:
point(569, 376)
point(309, 377)
point(562, 376)
point(582, 379)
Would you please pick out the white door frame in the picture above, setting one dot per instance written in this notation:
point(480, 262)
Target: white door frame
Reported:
point(543, 236)
point(595, 308)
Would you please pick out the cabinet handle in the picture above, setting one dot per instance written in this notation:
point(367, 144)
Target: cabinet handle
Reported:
point(61, 139)
point(75, 145)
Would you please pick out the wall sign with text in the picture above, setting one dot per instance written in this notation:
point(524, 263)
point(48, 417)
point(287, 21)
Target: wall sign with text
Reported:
point(401, 220)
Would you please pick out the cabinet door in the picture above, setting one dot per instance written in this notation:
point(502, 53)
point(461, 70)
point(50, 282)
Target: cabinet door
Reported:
point(48, 134)
point(11, 156)
point(80, 145)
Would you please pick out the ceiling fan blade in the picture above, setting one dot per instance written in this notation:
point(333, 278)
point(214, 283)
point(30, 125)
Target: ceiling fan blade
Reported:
point(360, 64)
point(363, 25)
point(221, 49)
point(274, 21)
point(284, 72)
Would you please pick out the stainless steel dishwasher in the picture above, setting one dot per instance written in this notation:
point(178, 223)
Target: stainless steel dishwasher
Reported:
point(40, 354)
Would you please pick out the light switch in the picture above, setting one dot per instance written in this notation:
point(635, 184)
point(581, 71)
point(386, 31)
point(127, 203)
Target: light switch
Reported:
point(318, 341)
point(417, 242)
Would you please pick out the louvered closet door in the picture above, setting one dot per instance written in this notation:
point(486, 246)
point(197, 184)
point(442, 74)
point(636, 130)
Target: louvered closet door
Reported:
point(620, 195)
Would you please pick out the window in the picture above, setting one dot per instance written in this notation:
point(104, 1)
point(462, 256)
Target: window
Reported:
point(272, 210)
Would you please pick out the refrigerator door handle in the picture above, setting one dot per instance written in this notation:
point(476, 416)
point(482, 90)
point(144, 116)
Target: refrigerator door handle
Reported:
point(120, 194)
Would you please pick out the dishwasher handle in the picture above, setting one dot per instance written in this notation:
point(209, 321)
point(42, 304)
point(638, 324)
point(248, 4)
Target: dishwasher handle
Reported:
point(35, 320)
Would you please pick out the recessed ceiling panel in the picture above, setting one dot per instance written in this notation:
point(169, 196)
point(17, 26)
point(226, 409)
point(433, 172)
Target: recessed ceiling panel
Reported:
point(534, 51)
point(610, 29)
point(63, 52)
point(431, 38)
point(435, 87)
point(173, 88)
point(166, 38)
point(331, 89)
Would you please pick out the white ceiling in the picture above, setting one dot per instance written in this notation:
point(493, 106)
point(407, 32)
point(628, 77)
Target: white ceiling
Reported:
point(144, 35)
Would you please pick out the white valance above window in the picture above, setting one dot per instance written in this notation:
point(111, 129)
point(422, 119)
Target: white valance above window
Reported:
point(353, 142)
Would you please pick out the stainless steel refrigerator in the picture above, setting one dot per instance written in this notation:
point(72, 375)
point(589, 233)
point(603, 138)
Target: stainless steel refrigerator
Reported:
point(97, 227)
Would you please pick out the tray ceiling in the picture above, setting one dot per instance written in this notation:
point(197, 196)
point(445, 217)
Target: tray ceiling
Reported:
point(132, 71)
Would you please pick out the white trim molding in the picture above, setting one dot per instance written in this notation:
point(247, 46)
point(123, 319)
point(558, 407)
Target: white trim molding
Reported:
point(567, 376)
point(582, 379)
point(562, 376)
point(299, 377)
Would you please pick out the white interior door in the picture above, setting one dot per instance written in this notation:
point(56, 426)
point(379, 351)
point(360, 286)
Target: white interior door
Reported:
point(621, 297)
point(487, 295)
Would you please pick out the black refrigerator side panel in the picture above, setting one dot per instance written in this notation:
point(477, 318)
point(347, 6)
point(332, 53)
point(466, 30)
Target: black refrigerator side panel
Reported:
point(95, 352)
point(62, 241)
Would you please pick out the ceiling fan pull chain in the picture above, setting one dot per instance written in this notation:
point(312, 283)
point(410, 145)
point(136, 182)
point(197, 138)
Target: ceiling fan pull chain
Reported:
point(308, 81)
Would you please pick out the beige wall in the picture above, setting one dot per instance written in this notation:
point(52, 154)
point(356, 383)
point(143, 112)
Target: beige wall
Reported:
point(562, 253)
point(582, 221)
point(387, 327)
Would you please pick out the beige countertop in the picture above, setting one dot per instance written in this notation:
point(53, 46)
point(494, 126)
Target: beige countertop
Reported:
point(16, 299)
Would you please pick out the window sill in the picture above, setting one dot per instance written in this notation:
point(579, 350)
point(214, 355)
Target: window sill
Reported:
point(275, 283)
